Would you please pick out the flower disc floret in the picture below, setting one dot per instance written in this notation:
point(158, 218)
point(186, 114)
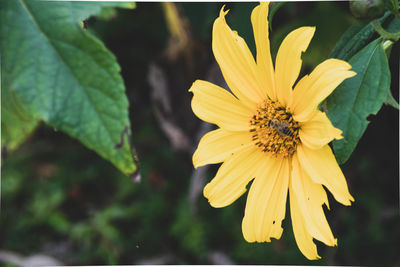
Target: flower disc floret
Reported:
point(274, 130)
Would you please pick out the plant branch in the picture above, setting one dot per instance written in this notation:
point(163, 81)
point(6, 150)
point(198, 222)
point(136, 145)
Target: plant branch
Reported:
point(385, 34)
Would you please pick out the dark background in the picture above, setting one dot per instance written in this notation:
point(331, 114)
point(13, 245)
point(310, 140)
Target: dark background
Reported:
point(64, 201)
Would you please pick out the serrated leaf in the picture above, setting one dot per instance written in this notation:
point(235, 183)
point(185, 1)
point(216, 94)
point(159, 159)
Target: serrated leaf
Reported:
point(350, 104)
point(354, 39)
point(63, 75)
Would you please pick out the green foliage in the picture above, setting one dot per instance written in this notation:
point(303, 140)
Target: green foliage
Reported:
point(393, 25)
point(354, 39)
point(104, 10)
point(365, 93)
point(54, 71)
point(390, 101)
point(190, 231)
point(392, 5)
point(16, 124)
point(356, 98)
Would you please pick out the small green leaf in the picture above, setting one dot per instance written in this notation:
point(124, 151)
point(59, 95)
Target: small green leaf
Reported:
point(354, 39)
point(64, 76)
point(350, 104)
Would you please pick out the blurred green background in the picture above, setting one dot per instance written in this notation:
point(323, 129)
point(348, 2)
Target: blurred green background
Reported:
point(62, 200)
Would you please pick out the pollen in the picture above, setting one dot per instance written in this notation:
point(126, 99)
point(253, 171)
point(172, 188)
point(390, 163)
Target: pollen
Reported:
point(274, 130)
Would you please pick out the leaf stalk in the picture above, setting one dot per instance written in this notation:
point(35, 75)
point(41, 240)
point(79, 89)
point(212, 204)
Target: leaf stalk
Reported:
point(385, 34)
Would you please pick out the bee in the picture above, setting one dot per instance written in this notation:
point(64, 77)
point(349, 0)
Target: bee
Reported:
point(281, 127)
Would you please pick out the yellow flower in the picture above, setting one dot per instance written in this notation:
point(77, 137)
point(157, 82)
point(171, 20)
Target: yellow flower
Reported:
point(271, 133)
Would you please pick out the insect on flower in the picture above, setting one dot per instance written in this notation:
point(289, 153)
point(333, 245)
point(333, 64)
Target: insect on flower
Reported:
point(271, 131)
point(282, 127)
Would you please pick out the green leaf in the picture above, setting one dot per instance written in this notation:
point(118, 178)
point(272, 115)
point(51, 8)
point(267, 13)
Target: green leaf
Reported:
point(350, 104)
point(392, 5)
point(16, 123)
point(354, 39)
point(64, 76)
point(393, 25)
point(390, 101)
point(104, 10)
point(396, 4)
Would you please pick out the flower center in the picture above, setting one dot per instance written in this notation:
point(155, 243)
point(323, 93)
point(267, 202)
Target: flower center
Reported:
point(274, 130)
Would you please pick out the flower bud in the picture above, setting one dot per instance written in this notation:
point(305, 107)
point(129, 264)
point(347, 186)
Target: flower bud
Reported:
point(367, 9)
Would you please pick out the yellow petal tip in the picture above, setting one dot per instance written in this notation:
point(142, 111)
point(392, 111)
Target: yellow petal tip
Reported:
point(223, 12)
point(338, 137)
point(312, 28)
point(348, 201)
point(191, 89)
point(309, 30)
point(338, 134)
point(352, 73)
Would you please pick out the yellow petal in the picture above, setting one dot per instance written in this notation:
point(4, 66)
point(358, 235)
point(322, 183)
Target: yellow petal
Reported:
point(214, 104)
point(323, 169)
point(310, 197)
point(232, 177)
point(259, 20)
point(217, 145)
point(318, 131)
point(303, 238)
point(266, 202)
point(236, 62)
point(288, 61)
point(317, 86)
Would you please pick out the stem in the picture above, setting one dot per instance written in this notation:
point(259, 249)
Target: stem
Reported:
point(395, 5)
point(385, 34)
